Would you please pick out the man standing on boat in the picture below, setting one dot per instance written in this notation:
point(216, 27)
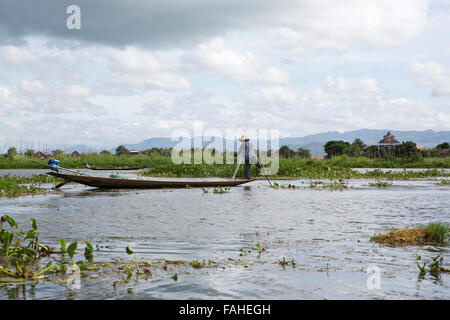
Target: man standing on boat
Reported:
point(246, 152)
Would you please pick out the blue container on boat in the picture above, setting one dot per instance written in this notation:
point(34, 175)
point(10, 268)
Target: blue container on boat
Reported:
point(53, 164)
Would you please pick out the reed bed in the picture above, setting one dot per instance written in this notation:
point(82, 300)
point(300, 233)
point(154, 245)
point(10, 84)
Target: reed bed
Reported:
point(432, 233)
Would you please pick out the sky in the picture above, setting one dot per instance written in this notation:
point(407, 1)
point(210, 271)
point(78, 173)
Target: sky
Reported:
point(138, 69)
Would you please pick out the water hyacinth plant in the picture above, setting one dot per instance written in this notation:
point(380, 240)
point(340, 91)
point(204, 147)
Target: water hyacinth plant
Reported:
point(21, 253)
point(381, 184)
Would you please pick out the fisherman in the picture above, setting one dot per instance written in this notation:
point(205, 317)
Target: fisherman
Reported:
point(246, 152)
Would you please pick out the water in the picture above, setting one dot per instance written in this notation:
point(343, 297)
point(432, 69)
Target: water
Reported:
point(326, 232)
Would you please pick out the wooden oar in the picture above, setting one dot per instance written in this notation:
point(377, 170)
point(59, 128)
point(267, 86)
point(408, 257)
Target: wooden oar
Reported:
point(46, 165)
point(268, 181)
point(61, 184)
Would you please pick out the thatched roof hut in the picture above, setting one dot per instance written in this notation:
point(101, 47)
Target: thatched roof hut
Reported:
point(42, 155)
point(388, 141)
point(75, 154)
point(445, 153)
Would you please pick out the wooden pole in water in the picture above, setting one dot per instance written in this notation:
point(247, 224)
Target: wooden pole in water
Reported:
point(268, 181)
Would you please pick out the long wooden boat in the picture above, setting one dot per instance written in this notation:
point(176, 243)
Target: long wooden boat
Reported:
point(113, 183)
point(87, 166)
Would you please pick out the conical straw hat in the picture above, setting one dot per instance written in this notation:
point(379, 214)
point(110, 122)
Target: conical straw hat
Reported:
point(244, 138)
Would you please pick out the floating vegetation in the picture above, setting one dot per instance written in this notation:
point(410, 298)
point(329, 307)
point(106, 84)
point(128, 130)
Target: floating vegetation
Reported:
point(283, 262)
point(21, 254)
point(13, 186)
point(443, 183)
point(221, 190)
point(258, 248)
point(381, 184)
point(333, 185)
point(434, 267)
point(433, 233)
point(201, 264)
point(284, 186)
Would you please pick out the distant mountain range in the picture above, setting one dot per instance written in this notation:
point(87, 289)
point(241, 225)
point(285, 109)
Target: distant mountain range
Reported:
point(315, 142)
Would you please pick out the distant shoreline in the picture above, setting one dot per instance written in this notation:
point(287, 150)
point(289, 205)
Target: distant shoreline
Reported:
point(334, 168)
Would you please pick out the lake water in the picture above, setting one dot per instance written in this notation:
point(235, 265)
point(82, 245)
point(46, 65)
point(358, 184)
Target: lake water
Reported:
point(326, 232)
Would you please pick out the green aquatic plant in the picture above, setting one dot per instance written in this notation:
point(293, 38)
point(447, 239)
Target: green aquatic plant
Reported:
point(275, 185)
point(381, 184)
point(21, 253)
point(433, 267)
point(13, 186)
point(443, 183)
point(130, 251)
point(201, 264)
point(259, 248)
point(196, 264)
point(333, 185)
point(438, 232)
point(220, 190)
point(283, 262)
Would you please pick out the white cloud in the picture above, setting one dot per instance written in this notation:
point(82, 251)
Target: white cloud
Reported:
point(17, 54)
point(8, 101)
point(432, 75)
point(342, 104)
point(215, 59)
point(272, 96)
point(78, 91)
point(348, 23)
point(238, 66)
point(34, 97)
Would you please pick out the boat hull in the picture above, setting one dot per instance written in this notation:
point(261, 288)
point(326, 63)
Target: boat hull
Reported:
point(112, 183)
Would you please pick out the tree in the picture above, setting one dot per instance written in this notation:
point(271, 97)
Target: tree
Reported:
point(335, 148)
point(359, 143)
point(353, 150)
point(11, 153)
point(286, 152)
point(105, 153)
point(57, 153)
point(407, 149)
point(444, 145)
point(303, 153)
point(371, 152)
point(29, 153)
point(121, 150)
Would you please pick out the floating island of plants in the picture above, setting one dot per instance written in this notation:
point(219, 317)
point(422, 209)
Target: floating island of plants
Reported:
point(432, 233)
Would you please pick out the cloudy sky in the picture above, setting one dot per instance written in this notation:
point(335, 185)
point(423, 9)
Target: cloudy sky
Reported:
point(138, 69)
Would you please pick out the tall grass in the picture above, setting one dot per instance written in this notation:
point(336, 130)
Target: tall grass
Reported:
point(335, 168)
point(363, 162)
point(438, 232)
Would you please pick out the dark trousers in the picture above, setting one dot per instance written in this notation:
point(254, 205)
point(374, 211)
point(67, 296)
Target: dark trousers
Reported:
point(248, 169)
